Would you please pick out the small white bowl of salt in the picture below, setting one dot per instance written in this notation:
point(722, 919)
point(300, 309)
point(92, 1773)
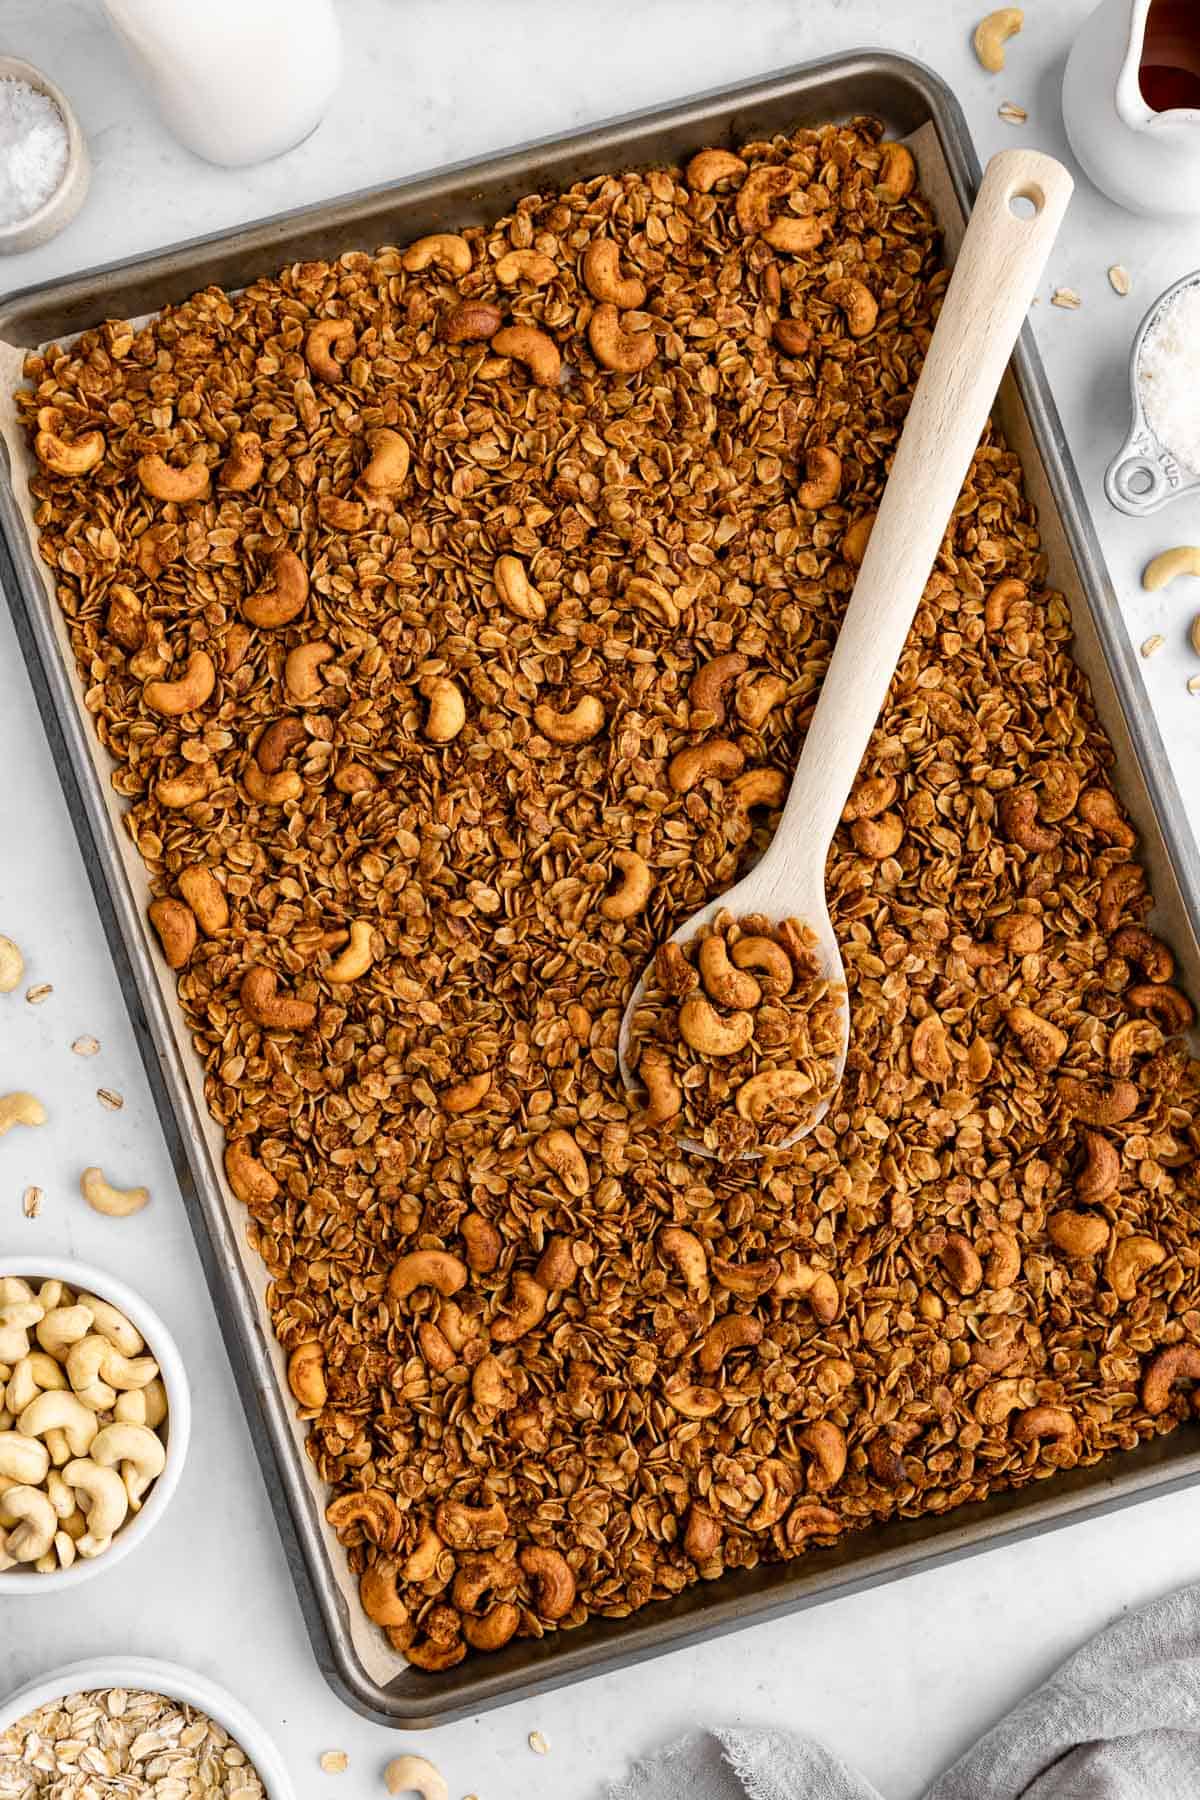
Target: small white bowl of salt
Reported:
point(1160, 459)
point(44, 165)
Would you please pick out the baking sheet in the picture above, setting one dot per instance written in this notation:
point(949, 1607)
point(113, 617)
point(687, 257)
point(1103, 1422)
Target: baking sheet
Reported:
point(353, 1654)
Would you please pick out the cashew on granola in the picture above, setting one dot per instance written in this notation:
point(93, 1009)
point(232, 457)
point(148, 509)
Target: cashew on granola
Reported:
point(634, 887)
point(206, 898)
point(1078, 1234)
point(1129, 1259)
point(757, 698)
point(717, 759)
point(164, 482)
point(471, 322)
point(175, 924)
point(62, 456)
point(284, 599)
point(387, 470)
point(826, 1445)
point(306, 1374)
point(327, 346)
point(525, 265)
point(426, 1268)
point(535, 349)
point(664, 1097)
point(356, 958)
point(708, 167)
point(243, 466)
point(709, 688)
point(1170, 1009)
point(270, 1009)
point(756, 197)
point(1100, 1176)
point(823, 469)
point(464, 1096)
point(1181, 1362)
point(188, 693)
point(1137, 945)
point(856, 302)
point(445, 249)
point(792, 336)
point(617, 348)
point(515, 589)
point(602, 276)
point(1097, 1103)
point(447, 710)
point(704, 1030)
point(579, 725)
point(723, 981)
point(897, 173)
point(557, 1151)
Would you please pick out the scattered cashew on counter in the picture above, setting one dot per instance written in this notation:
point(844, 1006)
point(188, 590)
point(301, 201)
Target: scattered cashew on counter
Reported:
point(113, 1202)
point(12, 966)
point(414, 1775)
point(20, 1109)
point(992, 33)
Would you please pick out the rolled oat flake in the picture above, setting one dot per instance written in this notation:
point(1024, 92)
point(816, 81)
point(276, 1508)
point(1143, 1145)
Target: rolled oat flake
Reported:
point(33, 149)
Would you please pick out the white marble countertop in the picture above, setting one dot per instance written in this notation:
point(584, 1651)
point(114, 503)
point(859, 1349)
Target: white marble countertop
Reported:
point(897, 1680)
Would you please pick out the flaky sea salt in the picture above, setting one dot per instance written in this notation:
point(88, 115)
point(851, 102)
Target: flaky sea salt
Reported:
point(1169, 377)
point(33, 149)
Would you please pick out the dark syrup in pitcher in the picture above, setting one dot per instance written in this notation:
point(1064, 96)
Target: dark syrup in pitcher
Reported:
point(1169, 76)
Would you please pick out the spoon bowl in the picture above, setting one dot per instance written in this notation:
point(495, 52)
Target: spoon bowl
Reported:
point(1011, 231)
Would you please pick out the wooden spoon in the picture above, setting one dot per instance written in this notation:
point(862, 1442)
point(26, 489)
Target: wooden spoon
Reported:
point(1008, 239)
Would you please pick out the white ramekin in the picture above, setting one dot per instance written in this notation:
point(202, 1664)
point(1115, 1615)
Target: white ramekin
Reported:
point(58, 211)
point(148, 1675)
point(20, 1584)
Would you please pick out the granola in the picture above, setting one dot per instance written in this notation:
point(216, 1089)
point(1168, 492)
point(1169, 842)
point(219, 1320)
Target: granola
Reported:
point(388, 581)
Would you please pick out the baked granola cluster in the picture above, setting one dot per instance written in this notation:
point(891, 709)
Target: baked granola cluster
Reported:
point(453, 616)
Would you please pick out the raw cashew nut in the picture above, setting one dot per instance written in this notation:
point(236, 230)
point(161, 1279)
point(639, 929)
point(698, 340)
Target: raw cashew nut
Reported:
point(387, 470)
point(32, 1374)
point(727, 985)
point(536, 349)
point(578, 726)
point(558, 1152)
point(823, 467)
point(992, 33)
point(717, 759)
point(64, 1326)
point(664, 1097)
point(300, 669)
point(687, 1253)
point(108, 1505)
point(625, 352)
point(1078, 1233)
point(139, 1453)
point(445, 248)
point(447, 709)
point(320, 344)
point(769, 958)
point(709, 685)
point(1130, 1258)
point(175, 924)
point(284, 598)
point(602, 276)
point(113, 1202)
point(206, 897)
point(773, 1094)
point(632, 894)
point(273, 1011)
point(162, 482)
point(58, 455)
point(525, 265)
point(426, 1268)
point(552, 1578)
point(243, 466)
point(23, 1460)
point(1180, 1363)
point(708, 167)
point(96, 1369)
point(20, 1109)
point(413, 1775)
point(34, 1522)
point(60, 1411)
point(12, 966)
point(271, 790)
point(736, 1331)
point(1185, 560)
point(516, 590)
point(705, 1031)
point(190, 691)
point(356, 958)
point(857, 302)
point(251, 1181)
point(143, 1406)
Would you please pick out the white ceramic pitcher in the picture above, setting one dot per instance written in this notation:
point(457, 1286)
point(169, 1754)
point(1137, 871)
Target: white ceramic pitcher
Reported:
point(1131, 102)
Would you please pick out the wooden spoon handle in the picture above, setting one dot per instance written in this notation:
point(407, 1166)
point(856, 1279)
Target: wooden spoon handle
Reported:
point(998, 268)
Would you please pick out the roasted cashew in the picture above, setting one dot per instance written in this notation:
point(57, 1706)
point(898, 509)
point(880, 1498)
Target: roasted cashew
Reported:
point(58, 1410)
point(34, 1522)
point(1129, 1258)
point(826, 1444)
point(1152, 956)
point(705, 1031)
point(387, 471)
point(12, 966)
point(958, 1257)
point(527, 1309)
point(413, 1774)
point(465, 1096)
point(426, 1268)
point(878, 838)
point(124, 619)
point(897, 173)
point(708, 688)
point(300, 669)
point(536, 349)
point(175, 924)
point(1019, 819)
point(614, 347)
point(1179, 1363)
point(762, 186)
point(327, 345)
point(379, 1595)
point(23, 1460)
point(1136, 1037)
point(1099, 808)
point(558, 1152)
point(778, 1483)
point(717, 759)
point(723, 982)
point(736, 1331)
point(632, 894)
point(109, 1503)
point(792, 235)
point(438, 1352)
point(341, 514)
point(445, 248)
point(857, 303)
point(306, 1374)
point(769, 958)
point(243, 466)
point(371, 1511)
point(1020, 934)
point(702, 1535)
point(271, 1010)
point(516, 590)
point(749, 1280)
point(356, 958)
point(1042, 1043)
point(139, 1452)
point(823, 467)
point(1119, 887)
point(1101, 1174)
point(285, 598)
point(654, 598)
point(692, 1401)
point(1004, 1262)
point(855, 539)
point(1171, 1010)
point(252, 1182)
point(525, 265)
point(757, 698)
point(206, 897)
point(20, 1109)
point(1102, 1103)
point(929, 1050)
point(687, 1253)
point(434, 1656)
point(497, 1626)
point(271, 790)
point(792, 336)
point(113, 1202)
point(471, 322)
point(708, 167)
point(64, 1326)
point(490, 1385)
point(190, 691)
point(556, 1267)
point(994, 1402)
point(162, 482)
point(1043, 1421)
point(354, 778)
point(991, 34)
point(773, 1094)
point(447, 712)
point(870, 797)
point(61, 457)
point(422, 1561)
point(471, 1527)
point(808, 1518)
point(602, 276)
point(483, 1575)
point(578, 726)
point(181, 790)
point(553, 1581)
point(1078, 1233)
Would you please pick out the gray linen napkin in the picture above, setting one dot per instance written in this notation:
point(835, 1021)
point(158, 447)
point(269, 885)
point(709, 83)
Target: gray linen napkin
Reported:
point(1120, 1720)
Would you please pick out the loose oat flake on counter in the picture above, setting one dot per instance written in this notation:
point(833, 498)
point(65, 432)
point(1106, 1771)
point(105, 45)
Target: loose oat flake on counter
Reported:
point(388, 580)
point(136, 1744)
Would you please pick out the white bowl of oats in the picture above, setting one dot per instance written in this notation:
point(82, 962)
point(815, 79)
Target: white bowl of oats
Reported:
point(129, 1721)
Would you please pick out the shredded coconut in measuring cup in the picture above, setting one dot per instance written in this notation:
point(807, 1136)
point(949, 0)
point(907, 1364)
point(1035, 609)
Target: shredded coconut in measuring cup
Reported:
point(33, 149)
point(1169, 377)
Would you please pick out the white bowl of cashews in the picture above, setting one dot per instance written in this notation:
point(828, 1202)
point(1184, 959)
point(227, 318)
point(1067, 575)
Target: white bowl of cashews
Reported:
point(95, 1415)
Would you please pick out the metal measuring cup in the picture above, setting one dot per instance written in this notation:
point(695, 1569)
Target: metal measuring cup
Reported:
point(1144, 474)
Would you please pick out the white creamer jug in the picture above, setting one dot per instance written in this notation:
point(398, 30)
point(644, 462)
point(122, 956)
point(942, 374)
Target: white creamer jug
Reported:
point(1131, 102)
point(236, 81)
